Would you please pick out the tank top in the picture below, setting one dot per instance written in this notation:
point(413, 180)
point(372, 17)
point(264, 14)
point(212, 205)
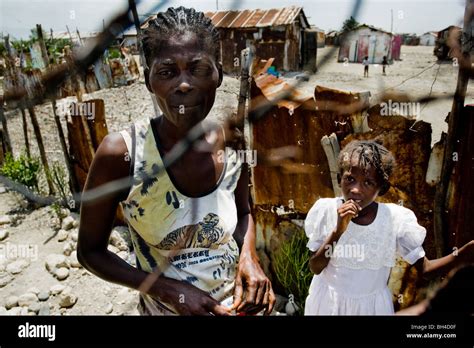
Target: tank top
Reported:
point(184, 238)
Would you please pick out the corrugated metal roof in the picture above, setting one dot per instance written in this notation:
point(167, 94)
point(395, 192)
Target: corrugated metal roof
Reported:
point(257, 18)
point(253, 18)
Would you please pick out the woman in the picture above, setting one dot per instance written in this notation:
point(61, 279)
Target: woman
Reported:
point(187, 223)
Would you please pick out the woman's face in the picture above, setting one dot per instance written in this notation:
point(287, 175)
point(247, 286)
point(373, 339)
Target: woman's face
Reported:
point(184, 79)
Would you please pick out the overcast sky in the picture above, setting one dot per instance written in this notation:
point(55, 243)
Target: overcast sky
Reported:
point(17, 17)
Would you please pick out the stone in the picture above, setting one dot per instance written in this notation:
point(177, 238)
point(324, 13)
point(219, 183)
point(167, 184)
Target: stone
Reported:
point(14, 311)
point(62, 273)
point(74, 235)
point(44, 309)
point(112, 249)
point(73, 260)
point(12, 301)
point(34, 307)
point(17, 266)
point(24, 311)
point(54, 261)
point(57, 289)
point(67, 300)
point(5, 279)
point(62, 235)
point(109, 308)
point(3, 234)
point(3, 310)
point(43, 295)
point(123, 255)
point(33, 290)
point(3, 190)
point(26, 299)
point(68, 223)
point(5, 219)
point(68, 248)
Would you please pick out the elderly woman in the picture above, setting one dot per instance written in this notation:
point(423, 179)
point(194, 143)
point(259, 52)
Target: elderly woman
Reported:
point(190, 224)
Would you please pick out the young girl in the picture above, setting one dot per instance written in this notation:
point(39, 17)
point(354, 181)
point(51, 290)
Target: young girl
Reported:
point(354, 239)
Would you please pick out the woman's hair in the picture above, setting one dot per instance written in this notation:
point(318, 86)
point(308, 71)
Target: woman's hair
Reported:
point(175, 22)
point(368, 154)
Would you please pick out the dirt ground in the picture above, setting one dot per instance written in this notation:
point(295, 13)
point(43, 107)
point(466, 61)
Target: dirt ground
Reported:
point(25, 281)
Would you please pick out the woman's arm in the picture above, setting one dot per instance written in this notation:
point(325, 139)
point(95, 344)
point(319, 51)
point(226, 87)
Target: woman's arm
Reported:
point(250, 277)
point(439, 267)
point(110, 164)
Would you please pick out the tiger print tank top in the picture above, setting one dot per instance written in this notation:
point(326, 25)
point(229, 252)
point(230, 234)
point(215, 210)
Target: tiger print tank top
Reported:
point(184, 238)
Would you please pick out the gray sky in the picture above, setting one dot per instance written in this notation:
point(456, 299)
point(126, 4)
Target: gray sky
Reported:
point(17, 17)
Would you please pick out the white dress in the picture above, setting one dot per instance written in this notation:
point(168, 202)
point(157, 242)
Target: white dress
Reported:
point(355, 281)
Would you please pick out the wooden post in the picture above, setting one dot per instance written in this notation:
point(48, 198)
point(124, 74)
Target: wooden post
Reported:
point(25, 131)
point(6, 134)
point(44, 52)
point(452, 136)
point(246, 58)
point(39, 139)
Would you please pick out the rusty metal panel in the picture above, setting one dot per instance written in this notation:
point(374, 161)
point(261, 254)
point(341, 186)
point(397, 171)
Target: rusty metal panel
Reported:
point(227, 20)
point(287, 15)
point(254, 18)
point(268, 18)
point(242, 18)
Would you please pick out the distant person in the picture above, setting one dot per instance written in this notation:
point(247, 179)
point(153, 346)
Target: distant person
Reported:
point(384, 65)
point(365, 63)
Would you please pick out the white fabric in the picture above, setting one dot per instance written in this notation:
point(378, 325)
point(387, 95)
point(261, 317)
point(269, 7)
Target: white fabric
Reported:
point(355, 280)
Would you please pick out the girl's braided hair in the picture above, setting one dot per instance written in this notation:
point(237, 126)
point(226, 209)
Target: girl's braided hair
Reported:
point(175, 22)
point(368, 154)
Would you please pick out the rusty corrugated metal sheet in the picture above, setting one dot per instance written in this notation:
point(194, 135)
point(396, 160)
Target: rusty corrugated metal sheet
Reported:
point(256, 18)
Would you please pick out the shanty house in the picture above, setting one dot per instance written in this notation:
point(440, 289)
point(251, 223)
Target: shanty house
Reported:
point(428, 39)
point(367, 41)
point(442, 48)
point(283, 34)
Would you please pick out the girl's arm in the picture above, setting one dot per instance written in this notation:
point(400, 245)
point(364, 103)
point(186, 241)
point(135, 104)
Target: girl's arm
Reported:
point(438, 267)
point(250, 277)
point(320, 259)
point(109, 164)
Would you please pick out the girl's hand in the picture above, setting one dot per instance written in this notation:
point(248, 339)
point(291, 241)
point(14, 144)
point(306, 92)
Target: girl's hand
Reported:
point(345, 213)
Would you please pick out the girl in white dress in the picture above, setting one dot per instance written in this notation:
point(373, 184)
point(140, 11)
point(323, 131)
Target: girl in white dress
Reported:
point(355, 240)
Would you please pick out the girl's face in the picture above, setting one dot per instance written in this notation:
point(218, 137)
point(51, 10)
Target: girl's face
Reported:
point(360, 186)
point(184, 79)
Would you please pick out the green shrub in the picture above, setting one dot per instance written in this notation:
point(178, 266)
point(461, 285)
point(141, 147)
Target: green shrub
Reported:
point(291, 268)
point(24, 170)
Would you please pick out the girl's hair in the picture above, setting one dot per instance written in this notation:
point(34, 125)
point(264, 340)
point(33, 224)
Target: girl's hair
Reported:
point(368, 154)
point(175, 22)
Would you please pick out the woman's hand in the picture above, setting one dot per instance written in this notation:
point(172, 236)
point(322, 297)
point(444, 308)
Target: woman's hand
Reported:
point(345, 213)
point(253, 290)
point(187, 299)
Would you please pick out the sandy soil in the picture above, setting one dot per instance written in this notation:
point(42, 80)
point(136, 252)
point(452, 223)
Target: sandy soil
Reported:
point(130, 103)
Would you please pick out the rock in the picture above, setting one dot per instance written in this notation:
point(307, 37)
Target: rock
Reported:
point(54, 261)
point(43, 295)
point(3, 234)
point(68, 248)
point(291, 308)
point(24, 311)
point(5, 219)
point(109, 308)
point(5, 279)
point(3, 190)
point(44, 309)
point(57, 289)
point(62, 235)
point(67, 300)
point(14, 311)
point(26, 299)
point(124, 234)
point(3, 310)
point(68, 223)
point(34, 307)
point(12, 301)
point(112, 249)
point(62, 273)
point(17, 266)
point(123, 255)
point(73, 260)
point(74, 235)
point(33, 290)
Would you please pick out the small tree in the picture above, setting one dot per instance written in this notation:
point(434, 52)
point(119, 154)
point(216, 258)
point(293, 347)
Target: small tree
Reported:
point(350, 24)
